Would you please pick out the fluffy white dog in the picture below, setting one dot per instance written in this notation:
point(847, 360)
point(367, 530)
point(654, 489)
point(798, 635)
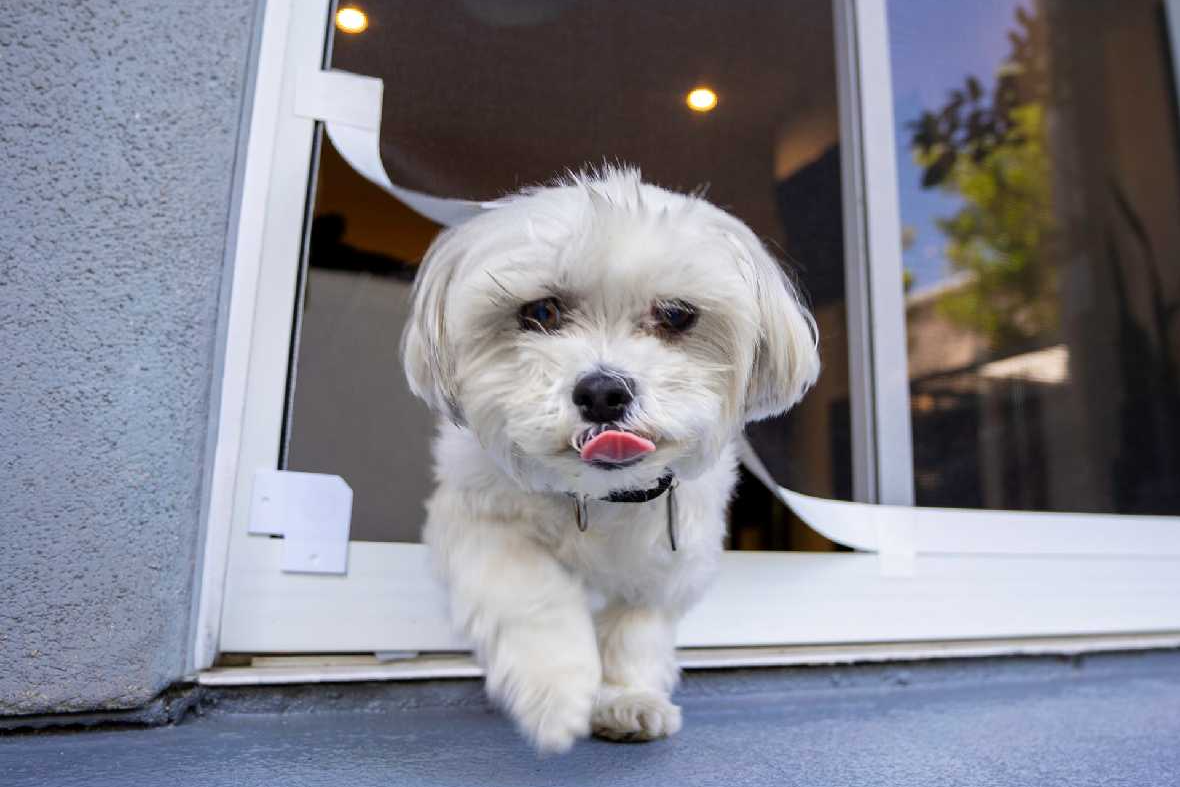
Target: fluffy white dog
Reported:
point(596, 347)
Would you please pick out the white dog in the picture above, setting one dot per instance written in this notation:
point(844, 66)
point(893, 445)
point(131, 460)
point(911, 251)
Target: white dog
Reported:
point(597, 347)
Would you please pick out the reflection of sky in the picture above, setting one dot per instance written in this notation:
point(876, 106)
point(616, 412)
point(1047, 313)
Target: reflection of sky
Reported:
point(934, 45)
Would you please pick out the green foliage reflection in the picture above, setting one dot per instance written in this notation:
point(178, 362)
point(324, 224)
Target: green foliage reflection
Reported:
point(990, 150)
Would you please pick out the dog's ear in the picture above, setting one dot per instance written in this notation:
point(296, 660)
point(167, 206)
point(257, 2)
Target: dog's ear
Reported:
point(786, 358)
point(426, 352)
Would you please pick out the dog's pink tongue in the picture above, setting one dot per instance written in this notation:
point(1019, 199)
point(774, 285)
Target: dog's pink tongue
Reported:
point(615, 446)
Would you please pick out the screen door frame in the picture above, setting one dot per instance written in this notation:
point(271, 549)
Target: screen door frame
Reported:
point(389, 601)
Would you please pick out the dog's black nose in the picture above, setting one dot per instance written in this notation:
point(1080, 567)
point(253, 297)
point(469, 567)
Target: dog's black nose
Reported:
point(602, 397)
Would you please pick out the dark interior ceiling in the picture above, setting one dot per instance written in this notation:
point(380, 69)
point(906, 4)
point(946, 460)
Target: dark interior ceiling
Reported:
point(484, 96)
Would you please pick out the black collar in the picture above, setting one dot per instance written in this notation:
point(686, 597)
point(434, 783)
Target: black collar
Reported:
point(639, 495)
point(666, 483)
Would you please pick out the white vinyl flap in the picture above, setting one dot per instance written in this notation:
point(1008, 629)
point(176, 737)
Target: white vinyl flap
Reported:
point(895, 543)
point(340, 97)
point(350, 107)
point(311, 511)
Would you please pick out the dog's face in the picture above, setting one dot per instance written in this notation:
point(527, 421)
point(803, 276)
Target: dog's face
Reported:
point(611, 309)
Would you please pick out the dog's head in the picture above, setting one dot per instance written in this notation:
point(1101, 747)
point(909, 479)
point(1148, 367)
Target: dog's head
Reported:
point(597, 334)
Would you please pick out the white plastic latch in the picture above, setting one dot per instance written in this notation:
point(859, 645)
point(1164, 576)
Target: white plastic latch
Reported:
point(311, 511)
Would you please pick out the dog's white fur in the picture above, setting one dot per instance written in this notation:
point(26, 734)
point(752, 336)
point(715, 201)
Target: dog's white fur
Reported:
point(576, 630)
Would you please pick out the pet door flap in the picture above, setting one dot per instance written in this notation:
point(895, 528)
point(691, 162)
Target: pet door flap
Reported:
point(349, 105)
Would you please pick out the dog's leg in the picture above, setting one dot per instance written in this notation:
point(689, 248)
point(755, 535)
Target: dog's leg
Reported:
point(530, 622)
point(637, 646)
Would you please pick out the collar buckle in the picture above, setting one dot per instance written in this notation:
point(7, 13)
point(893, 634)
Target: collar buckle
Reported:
point(667, 483)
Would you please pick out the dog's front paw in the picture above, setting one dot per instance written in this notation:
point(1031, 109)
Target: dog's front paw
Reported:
point(555, 717)
point(634, 716)
point(553, 710)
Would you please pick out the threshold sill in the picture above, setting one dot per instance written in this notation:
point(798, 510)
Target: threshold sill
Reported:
point(340, 668)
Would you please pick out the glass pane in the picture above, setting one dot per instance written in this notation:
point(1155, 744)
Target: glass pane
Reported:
point(1040, 201)
point(483, 97)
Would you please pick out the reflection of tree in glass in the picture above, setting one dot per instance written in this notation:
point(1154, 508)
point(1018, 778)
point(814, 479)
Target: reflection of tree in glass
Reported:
point(990, 150)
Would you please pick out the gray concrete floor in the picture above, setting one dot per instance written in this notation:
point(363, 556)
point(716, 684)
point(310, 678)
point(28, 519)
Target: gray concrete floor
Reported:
point(1105, 720)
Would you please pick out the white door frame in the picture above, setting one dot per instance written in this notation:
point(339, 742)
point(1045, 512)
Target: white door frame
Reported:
point(388, 600)
point(879, 386)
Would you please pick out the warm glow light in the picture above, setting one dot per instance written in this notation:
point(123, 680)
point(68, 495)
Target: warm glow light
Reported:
point(701, 99)
point(352, 20)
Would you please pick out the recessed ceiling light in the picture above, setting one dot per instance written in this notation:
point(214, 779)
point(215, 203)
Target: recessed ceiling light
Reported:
point(351, 19)
point(701, 99)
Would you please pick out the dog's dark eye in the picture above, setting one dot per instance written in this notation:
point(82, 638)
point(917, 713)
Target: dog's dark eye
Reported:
point(675, 316)
point(543, 315)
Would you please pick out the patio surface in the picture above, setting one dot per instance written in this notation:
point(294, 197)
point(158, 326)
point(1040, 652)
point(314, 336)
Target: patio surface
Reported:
point(1102, 720)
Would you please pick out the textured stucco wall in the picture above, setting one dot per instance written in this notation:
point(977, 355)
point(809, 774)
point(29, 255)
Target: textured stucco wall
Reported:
point(119, 126)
